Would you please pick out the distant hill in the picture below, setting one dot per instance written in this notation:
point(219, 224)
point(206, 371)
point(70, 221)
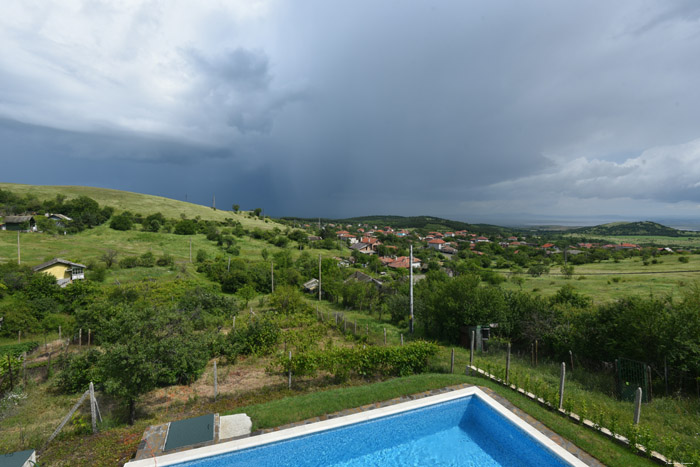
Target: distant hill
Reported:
point(644, 228)
point(412, 222)
point(136, 203)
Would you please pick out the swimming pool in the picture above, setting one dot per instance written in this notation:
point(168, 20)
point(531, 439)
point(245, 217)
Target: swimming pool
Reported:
point(464, 427)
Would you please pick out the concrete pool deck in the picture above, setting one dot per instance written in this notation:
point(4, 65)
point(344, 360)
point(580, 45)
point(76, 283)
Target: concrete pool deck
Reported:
point(151, 446)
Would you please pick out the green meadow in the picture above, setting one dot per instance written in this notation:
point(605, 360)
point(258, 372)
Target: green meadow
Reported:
point(608, 280)
point(141, 203)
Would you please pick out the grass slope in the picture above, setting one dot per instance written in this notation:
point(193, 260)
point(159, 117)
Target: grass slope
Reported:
point(630, 228)
point(137, 203)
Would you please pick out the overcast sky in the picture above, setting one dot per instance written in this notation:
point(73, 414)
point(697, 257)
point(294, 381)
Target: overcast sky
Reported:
point(504, 112)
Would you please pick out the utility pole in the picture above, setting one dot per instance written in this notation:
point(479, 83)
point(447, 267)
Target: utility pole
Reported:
point(319, 278)
point(19, 261)
point(410, 268)
point(213, 202)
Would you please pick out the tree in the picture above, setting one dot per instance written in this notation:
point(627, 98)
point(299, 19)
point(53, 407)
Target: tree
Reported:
point(257, 212)
point(567, 271)
point(186, 227)
point(236, 208)
point(109, 257)
point(246, 293)
point(123, 221)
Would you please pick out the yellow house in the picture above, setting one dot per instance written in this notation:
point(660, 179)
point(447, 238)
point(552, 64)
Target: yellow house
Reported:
point(64, 271)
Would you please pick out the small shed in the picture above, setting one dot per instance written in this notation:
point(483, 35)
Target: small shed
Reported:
point(20, 223)
point(311, 285)
point(482, 333)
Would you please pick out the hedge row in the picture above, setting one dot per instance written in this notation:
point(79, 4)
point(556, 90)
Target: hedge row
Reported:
point(366, 362)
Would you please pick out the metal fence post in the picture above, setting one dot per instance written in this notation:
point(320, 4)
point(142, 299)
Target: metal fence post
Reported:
point(561, 385)
point(637, 405)
point(508, 366)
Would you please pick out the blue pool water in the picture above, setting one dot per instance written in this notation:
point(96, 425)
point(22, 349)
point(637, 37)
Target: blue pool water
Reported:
point(462, 432)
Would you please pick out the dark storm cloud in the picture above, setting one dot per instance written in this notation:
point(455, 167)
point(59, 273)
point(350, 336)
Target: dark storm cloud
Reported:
point(455, 108)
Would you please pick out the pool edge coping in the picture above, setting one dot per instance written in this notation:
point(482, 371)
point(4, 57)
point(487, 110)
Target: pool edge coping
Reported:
point(337, 422)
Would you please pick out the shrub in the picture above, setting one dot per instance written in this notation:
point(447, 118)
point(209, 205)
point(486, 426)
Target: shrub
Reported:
point(259, 338)
point(147, 260)
point(186, 227)
point(165, 261)
point(129, 262)
point(366, 362)
point(80, 369)
point(123, 221)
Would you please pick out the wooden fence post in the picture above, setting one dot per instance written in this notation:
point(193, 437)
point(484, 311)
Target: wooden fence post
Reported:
point(471, 351)
point(19, 337)
point(59, 332)
point(508, 366)
point(216, 386)
point(561, 385)
point(402, 340)
point(80, 338)
point(637, 405)
point(233, 323)
point(452, 362)
point(89, 336)
point(571, 356)
point(289, 385)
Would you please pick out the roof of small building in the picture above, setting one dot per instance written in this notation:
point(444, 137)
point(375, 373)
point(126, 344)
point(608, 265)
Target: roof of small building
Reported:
point(437, 240)
point(17, 219)
point(57, 261)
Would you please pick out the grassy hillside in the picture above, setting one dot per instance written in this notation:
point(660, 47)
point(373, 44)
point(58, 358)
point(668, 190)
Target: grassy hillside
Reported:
point(644, 228)
point(137, 203)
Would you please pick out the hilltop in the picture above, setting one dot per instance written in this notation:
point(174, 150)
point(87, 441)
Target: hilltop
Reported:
point(643, 228)
point(135, 202)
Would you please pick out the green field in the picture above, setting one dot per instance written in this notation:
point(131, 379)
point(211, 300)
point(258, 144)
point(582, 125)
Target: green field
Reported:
point(608, 280)
point(688, 241)
point(139, 203)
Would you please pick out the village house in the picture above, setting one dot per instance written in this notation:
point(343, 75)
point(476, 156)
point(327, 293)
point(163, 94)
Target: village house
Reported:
point(436, 244)
point(363, 248)
point(20, 223)
point(64, 271)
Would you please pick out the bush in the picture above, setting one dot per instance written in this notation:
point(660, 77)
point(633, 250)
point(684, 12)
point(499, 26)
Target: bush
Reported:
point(129, 262)
point(186, 227)
point(259, 338)
point(123, 221)
point(366, 362)
point(683, 259)
point(165, 261)
point(147, 260)
point(80, 369)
